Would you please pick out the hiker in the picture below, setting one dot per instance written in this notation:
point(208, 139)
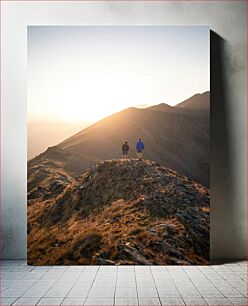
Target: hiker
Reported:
point(125, 149)
point(139, 148)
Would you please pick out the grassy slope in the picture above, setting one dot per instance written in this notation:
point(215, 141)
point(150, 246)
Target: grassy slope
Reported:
point(121, 212)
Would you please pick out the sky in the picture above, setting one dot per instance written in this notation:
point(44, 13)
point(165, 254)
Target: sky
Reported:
point(85, 73)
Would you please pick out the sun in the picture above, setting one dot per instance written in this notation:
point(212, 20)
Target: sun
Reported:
point(92, 99)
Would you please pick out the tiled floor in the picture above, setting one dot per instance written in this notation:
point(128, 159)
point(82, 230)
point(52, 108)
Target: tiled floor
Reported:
point(124, 285)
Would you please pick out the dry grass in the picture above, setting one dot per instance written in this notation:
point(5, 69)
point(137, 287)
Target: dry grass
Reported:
point(74, 229)
point(136, 230)
point(83, 241)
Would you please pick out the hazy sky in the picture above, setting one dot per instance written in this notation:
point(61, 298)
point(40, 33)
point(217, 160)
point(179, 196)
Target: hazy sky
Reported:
point(85, 73)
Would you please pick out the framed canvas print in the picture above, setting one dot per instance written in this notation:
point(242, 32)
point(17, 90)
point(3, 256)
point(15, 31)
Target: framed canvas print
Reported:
point(118, 145)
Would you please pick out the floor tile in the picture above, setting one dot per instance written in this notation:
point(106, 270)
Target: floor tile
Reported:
point(85, 280)
point(149, 301)
point(102, 292)
point(79, 291)
point(108, 269)
point(75, 269)
point(104, 283)
point(230, 292)
point(58, 268)
point(165, 292)
point(142, 269)
point(147, 292)
point(166, 301)
point(38, 290)
point(122, 301)
point(210, 292)
point(217, 301)
point(73, 301)
point(50, 301)
point(15, 275)
point(126, 275)
point(194, 301)
point(125, 269)
point(126, 292)
point(13, 292)
point(26, 301)
point(41, 268)
point(189, 292)
point(142, 282)
point(7, 300)
point(91, 269)
point(130, 285)
point(165, 284)
point(126, 283)
point(162, 276)
point(33, 276)
point(239, 301)
point(58, 291)
point(99, 301)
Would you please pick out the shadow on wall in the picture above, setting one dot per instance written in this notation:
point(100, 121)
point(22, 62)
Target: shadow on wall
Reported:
point(223, 225)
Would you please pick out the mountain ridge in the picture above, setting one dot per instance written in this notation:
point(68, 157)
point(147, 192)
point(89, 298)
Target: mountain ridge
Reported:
point(178, 139)
point(87, 206)
point(197, 101)
point(119, 212)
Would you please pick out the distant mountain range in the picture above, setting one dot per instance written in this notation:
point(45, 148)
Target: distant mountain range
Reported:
point(175, 137)
point(42, 135)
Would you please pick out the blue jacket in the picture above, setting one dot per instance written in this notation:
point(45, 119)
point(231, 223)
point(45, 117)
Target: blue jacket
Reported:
point(140, 145)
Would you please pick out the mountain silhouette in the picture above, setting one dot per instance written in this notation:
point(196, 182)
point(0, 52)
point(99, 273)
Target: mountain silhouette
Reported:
point(41, 135)
point(197, 102)
point(161, 107)
point(117, 212)
point(175, 137)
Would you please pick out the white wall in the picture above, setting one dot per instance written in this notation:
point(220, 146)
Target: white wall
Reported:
point(229, 96)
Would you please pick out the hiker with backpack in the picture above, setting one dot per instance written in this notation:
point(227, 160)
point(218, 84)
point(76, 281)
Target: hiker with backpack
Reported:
point(125, 149)
point(139, 148)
